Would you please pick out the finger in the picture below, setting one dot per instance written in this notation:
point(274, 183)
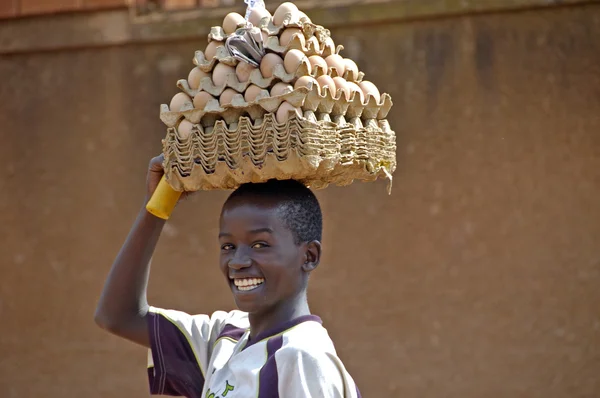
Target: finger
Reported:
point(156, 164)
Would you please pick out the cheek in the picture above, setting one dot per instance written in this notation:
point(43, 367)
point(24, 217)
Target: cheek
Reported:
point(223, 258)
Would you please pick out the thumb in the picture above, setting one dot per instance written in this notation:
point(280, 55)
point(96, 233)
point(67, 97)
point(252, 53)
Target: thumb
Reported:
point(156, 164)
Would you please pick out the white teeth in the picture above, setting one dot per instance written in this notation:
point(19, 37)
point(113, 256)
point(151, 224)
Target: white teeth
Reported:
point(248, 283)
point(246, 288)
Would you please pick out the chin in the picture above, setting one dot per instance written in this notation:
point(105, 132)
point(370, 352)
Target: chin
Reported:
point(251, 308)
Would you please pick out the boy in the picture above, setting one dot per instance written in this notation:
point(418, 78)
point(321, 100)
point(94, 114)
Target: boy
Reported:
point(271, 346)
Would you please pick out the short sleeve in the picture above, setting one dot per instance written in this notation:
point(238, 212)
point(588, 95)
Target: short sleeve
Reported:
point(302, 374)
point(181, 347)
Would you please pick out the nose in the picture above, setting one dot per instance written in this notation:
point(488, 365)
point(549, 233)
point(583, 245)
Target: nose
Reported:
point(240, 260)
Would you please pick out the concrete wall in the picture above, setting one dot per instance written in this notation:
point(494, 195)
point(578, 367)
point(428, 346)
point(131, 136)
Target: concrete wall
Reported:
point(477, 277)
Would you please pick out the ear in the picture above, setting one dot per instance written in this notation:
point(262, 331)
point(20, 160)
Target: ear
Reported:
point(312, 256)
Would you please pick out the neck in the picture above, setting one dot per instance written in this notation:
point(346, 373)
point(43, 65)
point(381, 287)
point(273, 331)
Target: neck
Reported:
point(264, 321)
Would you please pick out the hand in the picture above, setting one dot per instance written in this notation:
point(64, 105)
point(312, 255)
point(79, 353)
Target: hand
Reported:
point(155, 173)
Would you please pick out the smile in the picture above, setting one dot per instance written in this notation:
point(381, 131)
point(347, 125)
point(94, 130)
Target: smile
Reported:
point(246, 284)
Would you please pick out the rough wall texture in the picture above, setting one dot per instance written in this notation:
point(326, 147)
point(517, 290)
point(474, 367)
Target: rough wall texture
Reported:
point(478, 276)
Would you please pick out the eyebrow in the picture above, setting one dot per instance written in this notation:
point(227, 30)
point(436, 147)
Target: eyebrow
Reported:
point(253, 232)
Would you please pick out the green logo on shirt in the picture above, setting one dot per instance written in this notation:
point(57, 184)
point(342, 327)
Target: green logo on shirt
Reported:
point(228, 387)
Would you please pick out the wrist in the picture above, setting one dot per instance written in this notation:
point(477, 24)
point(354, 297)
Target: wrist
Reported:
point(147, 215)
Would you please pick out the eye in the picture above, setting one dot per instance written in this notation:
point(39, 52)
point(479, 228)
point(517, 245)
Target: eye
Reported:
point(259, 245)
point(227, 247)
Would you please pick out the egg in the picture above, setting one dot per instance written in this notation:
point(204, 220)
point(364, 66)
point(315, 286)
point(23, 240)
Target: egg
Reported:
point(286, 36)
point(232, 21)
point(341, 83)
point(293, 59)
point(369, 88)
point(355, 89)
point(315, 61)
point(257, 14)
point(268, 62)
point(211, 49)
point(178, 101)
point(336, 61)
point(326, 80)
point(195, 77)
point(185, 129)
point(243, 71)
point(282, 10)
point(201, 99)
point(350, 65)
point(306, 81)
point(281, 88)
point(226, 96)
point(221, 72)
point(284, 110)
point(303, 17)
point(252, 92)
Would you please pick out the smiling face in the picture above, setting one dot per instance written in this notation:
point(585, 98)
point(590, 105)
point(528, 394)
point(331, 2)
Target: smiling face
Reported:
point(264, 264)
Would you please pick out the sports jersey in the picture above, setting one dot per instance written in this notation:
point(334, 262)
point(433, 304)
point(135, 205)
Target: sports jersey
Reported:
point(201, 356)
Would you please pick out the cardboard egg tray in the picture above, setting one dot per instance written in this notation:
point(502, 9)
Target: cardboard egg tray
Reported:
point(315, 41)
point(308, 97)
point(311, 149)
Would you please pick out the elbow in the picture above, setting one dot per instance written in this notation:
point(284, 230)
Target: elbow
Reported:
point(104, 321)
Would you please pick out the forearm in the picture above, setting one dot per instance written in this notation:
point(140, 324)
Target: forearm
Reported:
point(123, 305)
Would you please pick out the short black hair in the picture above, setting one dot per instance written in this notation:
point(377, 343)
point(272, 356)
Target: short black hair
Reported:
point(299, 207)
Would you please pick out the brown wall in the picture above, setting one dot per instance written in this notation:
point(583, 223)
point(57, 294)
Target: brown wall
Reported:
point(477, 277)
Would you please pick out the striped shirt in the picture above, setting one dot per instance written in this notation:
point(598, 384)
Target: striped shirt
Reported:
point(200, 356)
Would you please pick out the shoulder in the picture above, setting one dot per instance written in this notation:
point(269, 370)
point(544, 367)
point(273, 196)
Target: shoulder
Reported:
point(308, 346)
point(308, 337)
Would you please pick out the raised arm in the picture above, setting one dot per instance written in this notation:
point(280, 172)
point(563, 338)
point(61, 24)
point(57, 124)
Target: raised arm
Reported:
point(123, 308)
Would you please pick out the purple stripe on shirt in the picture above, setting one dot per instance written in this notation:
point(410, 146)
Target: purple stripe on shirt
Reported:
point(232, 332)
point(176, 371)
point(268, 380)
point(357, 392)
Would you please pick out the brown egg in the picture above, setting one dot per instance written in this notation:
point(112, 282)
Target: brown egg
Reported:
point(341, 83)
point(251, 92)
point(326, 80)
point(195, 77)
point(369, 88)
point(284, 9)
point(286, 36)
point(280, 89)
point(201, 99)
point(336, 61)
point(355, 89)
point(178, 101)
point(221, 72)
point(268, 62)
point(243, 70)
point(284, 110)
point(306, 81)
point(227, 96)
point(185, 129)
point(350, 65)
point(257, 14)
point(211, 49)
point(231, 22)
point(303, 17)
point(293, 59)
point(316, 60)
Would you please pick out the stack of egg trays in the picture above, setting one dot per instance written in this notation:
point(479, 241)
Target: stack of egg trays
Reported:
point(330, 144)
